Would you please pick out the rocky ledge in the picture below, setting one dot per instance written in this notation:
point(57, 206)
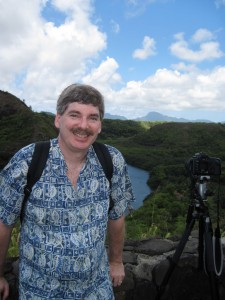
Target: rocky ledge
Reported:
point(146, 263)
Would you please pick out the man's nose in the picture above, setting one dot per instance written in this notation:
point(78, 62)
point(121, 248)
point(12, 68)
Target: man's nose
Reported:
point(83, 123)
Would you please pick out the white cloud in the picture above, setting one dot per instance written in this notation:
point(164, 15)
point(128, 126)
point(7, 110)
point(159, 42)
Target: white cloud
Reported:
point(38, 59)
point(147, 50)
point(181, 66)
point(208, 49)
point(169, 90)
point(40, 55)
point(115, 26)
point(202, 35)
point(104, 76)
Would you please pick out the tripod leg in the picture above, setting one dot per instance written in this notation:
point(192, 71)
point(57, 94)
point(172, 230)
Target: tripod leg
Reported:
point(208, 258)
point(201, 243)
point(175, 258)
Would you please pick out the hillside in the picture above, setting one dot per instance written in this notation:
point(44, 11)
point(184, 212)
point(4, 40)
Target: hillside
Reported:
point(160, 148)
point(163, 149)
point(19, 126)
point(144, 144)
point(164, 143)
point(10, 105)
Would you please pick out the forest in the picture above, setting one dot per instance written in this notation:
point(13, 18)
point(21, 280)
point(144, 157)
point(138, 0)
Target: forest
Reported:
point(162, 149)
point(166, 151)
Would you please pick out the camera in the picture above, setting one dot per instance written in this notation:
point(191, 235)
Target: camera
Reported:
point(202, 165)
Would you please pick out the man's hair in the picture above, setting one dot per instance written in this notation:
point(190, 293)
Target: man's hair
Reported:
point(81, 93)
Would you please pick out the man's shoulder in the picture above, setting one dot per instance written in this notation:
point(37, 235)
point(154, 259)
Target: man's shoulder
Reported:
point(114, 151)
point(24, 153)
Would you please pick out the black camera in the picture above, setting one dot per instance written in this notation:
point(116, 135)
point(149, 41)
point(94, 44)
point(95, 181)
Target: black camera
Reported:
point(201, 164)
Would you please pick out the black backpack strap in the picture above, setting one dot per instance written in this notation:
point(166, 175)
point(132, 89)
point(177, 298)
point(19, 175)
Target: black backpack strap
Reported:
point(38, 162)
point(105, 160)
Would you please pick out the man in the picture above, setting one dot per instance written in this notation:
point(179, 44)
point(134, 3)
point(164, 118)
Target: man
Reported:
point(62, 253)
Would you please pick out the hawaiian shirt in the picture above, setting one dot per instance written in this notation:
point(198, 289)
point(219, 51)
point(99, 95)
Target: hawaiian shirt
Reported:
point(62, 239)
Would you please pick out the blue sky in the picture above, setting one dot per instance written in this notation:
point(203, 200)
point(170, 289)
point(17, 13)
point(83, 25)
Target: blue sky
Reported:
point(143, 55)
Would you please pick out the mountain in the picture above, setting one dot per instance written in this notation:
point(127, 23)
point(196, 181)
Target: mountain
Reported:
point(20, 126)
point(155, 116)
point(10, 105)
point(114, 117)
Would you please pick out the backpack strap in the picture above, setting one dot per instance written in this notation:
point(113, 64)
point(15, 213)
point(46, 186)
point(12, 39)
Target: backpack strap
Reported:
point(105, 160)
point(38, 162)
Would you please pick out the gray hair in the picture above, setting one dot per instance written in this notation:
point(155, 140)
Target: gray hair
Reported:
point(80, 93)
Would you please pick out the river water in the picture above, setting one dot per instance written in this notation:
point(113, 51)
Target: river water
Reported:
point(139, 179)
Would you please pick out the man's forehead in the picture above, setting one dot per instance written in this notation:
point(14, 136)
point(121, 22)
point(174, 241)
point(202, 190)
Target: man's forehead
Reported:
point(83, 108)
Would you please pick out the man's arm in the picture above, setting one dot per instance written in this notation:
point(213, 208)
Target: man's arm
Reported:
point(116, 232)
point(5, 235)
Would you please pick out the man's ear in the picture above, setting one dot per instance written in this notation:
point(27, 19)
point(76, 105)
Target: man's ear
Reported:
point(100, 129)
point(57, 118)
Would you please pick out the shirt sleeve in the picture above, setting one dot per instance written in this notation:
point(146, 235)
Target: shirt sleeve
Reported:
point(121, 187)
point(13, 179)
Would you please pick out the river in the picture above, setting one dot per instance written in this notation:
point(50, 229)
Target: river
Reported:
point(139, 179)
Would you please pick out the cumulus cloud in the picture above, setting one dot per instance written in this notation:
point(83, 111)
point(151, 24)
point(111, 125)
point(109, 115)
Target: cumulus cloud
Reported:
point(202, 35)
point(104, 76)
point(171, 90)
point(166, 89)
point(33, 50)
point(208, 49)
point(39, 58)
point(147, 50)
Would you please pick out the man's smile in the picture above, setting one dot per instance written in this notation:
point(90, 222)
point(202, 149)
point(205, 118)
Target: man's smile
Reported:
point(82, 133)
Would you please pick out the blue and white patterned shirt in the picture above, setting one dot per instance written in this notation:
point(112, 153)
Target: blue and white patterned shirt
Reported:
point(62, 242)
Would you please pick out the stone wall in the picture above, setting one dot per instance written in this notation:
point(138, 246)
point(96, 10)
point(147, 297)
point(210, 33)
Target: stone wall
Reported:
point(146, 263)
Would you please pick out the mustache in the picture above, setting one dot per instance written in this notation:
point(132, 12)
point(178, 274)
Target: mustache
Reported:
point(82, 131)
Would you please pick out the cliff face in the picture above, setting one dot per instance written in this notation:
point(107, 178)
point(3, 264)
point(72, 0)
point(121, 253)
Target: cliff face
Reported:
point(146, 263)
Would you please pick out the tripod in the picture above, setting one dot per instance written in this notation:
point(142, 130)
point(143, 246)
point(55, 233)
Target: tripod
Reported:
point(197, 211)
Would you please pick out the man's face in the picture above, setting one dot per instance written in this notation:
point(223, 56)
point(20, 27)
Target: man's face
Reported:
point(79, 126)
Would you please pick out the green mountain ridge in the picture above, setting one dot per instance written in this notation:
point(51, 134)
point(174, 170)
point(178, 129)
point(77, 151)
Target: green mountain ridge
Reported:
point(20, 126)
point(161, 148)
point(10, 104)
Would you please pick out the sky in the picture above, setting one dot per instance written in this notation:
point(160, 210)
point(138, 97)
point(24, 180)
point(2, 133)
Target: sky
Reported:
point(166, 56)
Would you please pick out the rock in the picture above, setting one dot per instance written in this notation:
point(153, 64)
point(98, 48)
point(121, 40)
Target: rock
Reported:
point(155, 246)
point(146, 264)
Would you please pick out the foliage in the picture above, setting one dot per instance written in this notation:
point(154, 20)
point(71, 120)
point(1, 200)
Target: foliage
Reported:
point(163, 150)
point(160, 148)
point(22, 128)
point(13, 250)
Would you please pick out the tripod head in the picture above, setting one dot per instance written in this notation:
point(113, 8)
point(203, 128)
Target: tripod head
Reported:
point(200, 167)
point(200, 188)
point(201, 164)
